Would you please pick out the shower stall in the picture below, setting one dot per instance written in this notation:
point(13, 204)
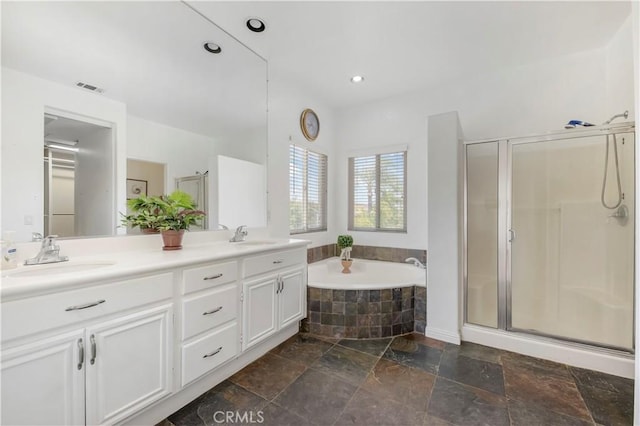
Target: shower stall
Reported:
point(549, 235)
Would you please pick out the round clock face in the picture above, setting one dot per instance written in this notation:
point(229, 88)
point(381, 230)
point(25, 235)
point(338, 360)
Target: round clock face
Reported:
point(309, 124)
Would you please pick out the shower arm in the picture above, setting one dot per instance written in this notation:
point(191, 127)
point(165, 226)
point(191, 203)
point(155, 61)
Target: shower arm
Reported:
point(624, 114)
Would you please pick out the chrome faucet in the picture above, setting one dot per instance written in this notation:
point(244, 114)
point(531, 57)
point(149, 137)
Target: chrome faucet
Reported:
point(416, 262)
point(49, 253)
point(241, 232)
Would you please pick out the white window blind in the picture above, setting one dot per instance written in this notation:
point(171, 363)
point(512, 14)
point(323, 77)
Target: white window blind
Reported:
point(307, 191)
point(377, 192)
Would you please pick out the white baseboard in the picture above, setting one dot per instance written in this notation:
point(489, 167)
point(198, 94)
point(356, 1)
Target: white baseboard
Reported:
point(444, 335)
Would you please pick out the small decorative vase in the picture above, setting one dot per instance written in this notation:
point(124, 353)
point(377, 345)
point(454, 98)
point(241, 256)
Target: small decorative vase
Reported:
point(346, 264)
point(172, 239)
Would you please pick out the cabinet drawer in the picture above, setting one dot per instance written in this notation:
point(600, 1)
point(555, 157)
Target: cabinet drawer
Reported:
point(207, 353)
point(272, 261)
point(36, 314)
point(209, 276)
point(209, 310)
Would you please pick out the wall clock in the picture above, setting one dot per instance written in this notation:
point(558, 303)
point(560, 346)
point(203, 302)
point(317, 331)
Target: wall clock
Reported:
point(309, 124)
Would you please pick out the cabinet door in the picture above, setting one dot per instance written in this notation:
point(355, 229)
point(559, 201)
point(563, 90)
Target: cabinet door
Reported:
point(42, 384)
point(259, 307)
point(292, 297)
point(128, 364)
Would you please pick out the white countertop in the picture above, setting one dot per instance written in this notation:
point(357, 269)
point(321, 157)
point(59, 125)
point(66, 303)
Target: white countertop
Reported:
point(112, 264)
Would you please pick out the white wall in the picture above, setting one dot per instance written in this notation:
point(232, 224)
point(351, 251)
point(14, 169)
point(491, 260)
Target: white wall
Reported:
point(183, 152)
point(24, 99)
point(286, 103)
point(619, 73)
point(237, 193)
point(519, 101)
point(444, 211)
point(530, 99)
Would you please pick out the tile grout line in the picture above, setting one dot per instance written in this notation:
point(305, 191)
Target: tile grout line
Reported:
point(365, 379)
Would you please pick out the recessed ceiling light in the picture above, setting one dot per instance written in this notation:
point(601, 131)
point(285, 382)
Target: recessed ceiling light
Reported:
point(357, 79)
point(212, 48)
point(256, 25)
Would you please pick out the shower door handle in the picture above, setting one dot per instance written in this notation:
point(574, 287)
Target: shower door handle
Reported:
point(512, 235)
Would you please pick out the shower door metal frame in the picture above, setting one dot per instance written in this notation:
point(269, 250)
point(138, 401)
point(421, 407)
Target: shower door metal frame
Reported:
point(504, 219)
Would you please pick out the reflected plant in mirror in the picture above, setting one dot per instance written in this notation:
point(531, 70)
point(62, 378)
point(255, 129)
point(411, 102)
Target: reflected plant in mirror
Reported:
point(149, 95)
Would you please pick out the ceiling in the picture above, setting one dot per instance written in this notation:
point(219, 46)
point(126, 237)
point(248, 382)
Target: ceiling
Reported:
point(403, 46)
point(147, 55)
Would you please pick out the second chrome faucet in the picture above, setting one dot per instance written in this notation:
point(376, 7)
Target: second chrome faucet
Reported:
point(241, 232)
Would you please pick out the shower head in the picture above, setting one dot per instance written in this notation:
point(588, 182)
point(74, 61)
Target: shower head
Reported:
point(624, 114)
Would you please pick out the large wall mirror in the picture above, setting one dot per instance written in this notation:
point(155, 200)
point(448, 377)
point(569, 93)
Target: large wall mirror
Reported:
point(102, 101)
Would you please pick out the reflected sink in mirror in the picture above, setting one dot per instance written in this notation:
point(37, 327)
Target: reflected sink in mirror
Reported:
point(54, 269)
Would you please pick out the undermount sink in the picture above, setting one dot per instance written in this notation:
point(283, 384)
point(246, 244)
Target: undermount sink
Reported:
point(55, 269)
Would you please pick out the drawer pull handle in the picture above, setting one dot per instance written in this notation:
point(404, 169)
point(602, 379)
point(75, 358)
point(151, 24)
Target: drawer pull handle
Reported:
point(213, 353)
point(93, 349)
point(80, 354)
point(213, 277)
point(213, 311)
point(85, 306)
point(276, 262)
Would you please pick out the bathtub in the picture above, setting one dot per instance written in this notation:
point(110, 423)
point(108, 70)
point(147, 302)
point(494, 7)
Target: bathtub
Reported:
point(365, 275)
point(377, 299)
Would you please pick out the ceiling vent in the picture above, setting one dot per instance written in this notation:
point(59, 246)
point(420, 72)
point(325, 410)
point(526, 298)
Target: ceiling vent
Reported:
point(89, 87)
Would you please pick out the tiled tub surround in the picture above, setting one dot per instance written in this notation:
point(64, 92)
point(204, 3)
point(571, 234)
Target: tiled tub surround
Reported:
point(376, 300)
point(363, 314)
point(387, 254)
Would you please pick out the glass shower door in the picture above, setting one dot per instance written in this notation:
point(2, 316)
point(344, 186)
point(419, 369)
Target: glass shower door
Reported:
point(481, 273)
point(572, 257)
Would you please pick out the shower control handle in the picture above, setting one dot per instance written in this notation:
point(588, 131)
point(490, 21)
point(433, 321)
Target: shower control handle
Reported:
point(512, 235)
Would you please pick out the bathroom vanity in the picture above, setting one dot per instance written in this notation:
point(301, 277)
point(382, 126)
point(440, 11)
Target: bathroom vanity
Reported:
point(129, 337)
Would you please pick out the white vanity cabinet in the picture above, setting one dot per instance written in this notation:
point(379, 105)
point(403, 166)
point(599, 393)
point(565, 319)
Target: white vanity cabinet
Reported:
point(134, 350)
point(274, 294)
point(41, 383)
point(210, 307)
point(93, 355)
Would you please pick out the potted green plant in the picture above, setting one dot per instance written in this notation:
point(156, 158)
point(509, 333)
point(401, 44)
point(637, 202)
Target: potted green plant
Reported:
point(169, 214)
point(145, 214)
point(344, 243)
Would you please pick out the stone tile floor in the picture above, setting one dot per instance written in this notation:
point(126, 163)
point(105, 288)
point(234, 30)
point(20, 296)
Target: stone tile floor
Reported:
point(408, 380)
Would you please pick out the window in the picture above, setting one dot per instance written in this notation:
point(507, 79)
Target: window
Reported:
point(307, 191)
point(378, 192)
